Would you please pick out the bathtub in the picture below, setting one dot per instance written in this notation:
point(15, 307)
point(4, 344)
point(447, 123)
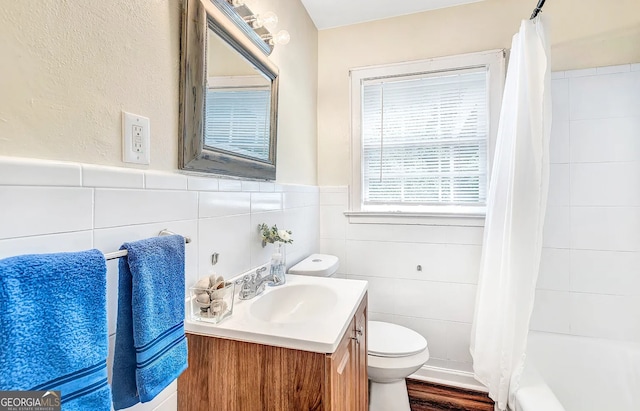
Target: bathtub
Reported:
point(567, 373)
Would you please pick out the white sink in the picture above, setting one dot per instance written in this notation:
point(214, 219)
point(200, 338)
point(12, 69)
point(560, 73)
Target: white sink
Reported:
point(295, 303)
point(307, 313)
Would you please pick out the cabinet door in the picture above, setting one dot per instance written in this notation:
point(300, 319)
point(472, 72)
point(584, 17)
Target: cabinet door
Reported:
point(342, 374)
point(360, 352)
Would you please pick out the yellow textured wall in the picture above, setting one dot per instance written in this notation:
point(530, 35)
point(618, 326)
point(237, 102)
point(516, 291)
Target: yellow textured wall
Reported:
point(69, 67)
point(297, 116)
point(584, 33)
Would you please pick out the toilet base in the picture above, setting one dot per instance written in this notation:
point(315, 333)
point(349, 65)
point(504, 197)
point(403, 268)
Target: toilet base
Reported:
point(392, 396)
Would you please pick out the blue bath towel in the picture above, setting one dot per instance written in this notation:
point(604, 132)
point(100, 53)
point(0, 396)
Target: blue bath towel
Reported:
point(53, 327)
point(151, 348)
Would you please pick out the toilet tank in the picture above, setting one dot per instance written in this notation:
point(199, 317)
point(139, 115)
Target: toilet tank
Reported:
point(318, 265)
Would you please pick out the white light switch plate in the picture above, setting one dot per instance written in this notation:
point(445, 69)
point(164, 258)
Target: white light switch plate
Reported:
point(136, 144)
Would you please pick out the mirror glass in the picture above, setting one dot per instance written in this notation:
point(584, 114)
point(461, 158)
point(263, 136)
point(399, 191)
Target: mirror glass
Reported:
point(229, 95)
point(238, 103)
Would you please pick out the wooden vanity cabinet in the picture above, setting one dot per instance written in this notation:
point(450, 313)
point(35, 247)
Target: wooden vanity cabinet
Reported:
point(362, 379)
point(347, 368)
point(229, 375)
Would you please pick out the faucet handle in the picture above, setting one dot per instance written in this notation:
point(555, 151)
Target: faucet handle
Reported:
point(259, 271)
point(244, 281)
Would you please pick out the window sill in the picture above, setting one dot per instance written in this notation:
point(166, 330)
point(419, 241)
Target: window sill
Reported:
point(464, 219)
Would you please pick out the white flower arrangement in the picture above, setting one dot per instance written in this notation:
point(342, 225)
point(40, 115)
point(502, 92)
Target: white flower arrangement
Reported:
point(273, 235)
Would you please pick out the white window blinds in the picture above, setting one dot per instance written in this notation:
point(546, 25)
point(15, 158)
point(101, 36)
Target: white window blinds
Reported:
point(237, 120)
point(424, 139)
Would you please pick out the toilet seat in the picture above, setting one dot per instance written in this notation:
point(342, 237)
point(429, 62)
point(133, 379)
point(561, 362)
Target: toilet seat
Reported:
point(393, 341)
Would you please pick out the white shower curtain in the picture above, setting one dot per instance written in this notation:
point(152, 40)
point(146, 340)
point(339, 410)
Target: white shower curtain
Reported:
point(515, 216)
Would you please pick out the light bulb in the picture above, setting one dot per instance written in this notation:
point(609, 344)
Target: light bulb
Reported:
point(269, 20)
point(282, 37)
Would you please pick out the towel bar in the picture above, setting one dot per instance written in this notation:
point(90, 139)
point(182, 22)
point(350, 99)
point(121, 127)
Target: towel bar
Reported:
point(122, 253)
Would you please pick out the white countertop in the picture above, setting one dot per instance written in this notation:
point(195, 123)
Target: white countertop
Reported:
point(320, 334)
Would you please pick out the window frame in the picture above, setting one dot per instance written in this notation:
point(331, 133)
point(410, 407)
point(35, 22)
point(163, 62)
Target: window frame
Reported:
point(494, 62)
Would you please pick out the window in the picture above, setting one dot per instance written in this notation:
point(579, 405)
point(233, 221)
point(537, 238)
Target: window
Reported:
point(422, 134)
point(237, 120)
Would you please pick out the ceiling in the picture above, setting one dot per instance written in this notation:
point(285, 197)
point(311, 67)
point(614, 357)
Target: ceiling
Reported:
point(334, 13)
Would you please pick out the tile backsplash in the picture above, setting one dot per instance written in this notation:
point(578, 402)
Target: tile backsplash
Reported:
point(57, 207)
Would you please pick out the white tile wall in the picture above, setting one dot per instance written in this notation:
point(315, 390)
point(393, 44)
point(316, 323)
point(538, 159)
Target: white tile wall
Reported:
point(115, 207)
point(605, 228)
point(605, 272)
point(261, 202)
point(250, 186)
point(230, 185)
point(600, 315)
point(610, 184)
point(591, 256)
point(258, 253)
point(48, 207)
point(28, 211)
point(202, 184)
point(552, 312)
point(303, 220)
point(20, 171)
point(457, 336)
point(164, 181)
point(332, 222)
point(50, 243)
point(228, 236)
point(590, 270)
point(621, 136)
point(557, 227)
point(223, 204)
point(604, 96)
point(100, 176)
point(555, 269)
point(560, 147)
point(437, 301)
point(559, 193)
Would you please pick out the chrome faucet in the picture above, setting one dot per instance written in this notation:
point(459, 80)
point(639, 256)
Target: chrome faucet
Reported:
point(253, 284)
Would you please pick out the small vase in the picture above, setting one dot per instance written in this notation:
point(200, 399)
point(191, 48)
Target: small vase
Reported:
point(278, 265)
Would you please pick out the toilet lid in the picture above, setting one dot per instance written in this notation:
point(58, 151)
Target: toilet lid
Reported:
point(392, 340)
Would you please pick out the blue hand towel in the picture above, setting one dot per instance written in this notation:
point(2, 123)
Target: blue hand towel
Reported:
point(53, 327)
point(151, 348)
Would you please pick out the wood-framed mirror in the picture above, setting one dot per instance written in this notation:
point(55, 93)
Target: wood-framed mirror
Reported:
point(228, 95)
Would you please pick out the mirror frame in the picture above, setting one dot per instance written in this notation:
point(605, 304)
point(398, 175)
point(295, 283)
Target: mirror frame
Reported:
point(198, 17)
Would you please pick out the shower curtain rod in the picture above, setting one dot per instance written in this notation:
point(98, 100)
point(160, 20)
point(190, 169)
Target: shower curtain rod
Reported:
point(538, 9)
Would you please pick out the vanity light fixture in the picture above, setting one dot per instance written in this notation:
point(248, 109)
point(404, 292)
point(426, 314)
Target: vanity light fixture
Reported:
point(262, 24)
point(268, 20)
point(281, 37)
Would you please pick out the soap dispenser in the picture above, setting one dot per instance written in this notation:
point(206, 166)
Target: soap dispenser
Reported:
point(277, 269)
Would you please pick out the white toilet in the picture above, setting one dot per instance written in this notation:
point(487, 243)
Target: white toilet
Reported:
point(395, 352)
point(318, 265)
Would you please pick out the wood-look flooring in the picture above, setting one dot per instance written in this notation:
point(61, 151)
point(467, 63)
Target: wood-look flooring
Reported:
point(426, 396)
